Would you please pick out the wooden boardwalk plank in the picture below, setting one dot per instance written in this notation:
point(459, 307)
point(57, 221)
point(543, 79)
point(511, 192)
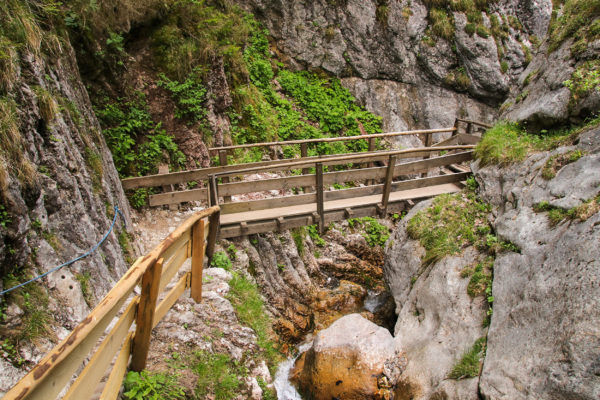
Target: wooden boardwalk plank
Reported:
point(274, 213)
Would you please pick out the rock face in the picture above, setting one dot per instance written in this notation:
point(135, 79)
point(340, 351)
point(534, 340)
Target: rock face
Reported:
point(391, 62)
point(346, 361)
point(437, 320)
point(544, 338)
point(61, 206)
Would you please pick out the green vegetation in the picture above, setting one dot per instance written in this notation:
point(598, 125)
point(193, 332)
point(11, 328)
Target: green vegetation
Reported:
point(126, 248)
point(579, 20)
point(152, 386)
point(458, 79)
point(556, 162)
point(232, 251)
point(250, 309)
point(4, 217)
point(585, 79)
point(313, 232)
point(221, 260)
point(84, 281)
point(217, 374)
point(126, 123)
point(298, 234)
point(189, 95)
point(470, 363)
point(450, 224)
point(375, 233)
point(508, 142)
point(557, 214)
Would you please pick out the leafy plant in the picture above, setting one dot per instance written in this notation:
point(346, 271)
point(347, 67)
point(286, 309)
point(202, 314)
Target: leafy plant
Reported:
point(5, 218)
point(190, 95)
point(221, 260)
point(298, 235)
point(313, 232)
point(375, 234)
point(147, 385)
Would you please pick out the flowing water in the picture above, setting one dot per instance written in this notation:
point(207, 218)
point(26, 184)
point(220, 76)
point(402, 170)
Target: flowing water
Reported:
point(283, 386)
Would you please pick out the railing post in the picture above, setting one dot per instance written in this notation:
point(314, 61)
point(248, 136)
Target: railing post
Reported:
point(372, 142)
point(387, 188)
point(469, 128)
point(213, 194)
point(223, 161)
point(305, 171)
point(428, 140)
point(320, 196)
point(145, 316)
point(213, 232)
point(197, 260)
point(455, 131)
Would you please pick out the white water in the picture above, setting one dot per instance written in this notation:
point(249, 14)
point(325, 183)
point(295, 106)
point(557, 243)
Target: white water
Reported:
point(283, 386)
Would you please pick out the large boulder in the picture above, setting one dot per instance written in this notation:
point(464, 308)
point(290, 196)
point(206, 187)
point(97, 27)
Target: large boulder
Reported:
point(346, 361)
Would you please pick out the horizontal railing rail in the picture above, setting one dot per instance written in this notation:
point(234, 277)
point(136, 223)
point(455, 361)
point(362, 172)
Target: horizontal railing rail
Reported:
point(194, 239)
point(371, 136)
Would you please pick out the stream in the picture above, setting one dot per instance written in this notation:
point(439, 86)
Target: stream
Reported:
point(285, 389)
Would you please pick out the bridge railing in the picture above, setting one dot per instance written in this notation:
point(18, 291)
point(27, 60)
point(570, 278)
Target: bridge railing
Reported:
point(198, 176)
point(194, 239)
point(320, 179)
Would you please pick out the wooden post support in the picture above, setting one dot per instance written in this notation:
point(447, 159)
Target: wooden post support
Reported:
point(197, 260)
point(305, 171)
point(320, 197)
point(469, 128)
point(225, 179)
point(372, 143)
point(388, 185)
point(280, 223)
point(213, 194)
point(162, 170)
point(145, 315)
point(213, 232)
point(455, 131)
point(428, 141)
point(348, 213)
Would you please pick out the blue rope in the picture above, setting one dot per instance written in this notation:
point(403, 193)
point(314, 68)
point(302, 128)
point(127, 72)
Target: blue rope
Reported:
point(117, 212)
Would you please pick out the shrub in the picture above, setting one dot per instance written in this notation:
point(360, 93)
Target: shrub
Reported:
point(585, 79)
point(313, 232)
point(190, 95)
point(482, 31)
point(442, 24)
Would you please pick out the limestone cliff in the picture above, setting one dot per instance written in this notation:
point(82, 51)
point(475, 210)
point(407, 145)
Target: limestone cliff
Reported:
point(58, 186)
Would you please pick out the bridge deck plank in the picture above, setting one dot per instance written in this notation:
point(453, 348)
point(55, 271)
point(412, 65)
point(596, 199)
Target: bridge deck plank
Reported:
point(274, 213)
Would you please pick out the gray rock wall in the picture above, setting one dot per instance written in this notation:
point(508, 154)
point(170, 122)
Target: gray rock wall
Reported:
point(67, 206)
point(544, 340)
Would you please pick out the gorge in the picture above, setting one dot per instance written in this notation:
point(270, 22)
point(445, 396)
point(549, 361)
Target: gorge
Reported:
point(489, 293)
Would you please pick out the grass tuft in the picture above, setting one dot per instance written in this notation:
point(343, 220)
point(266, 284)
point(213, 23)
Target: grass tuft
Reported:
point(452, 222)
point(470, 363)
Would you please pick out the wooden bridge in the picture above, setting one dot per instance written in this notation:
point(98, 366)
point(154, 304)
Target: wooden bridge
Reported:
point(315, 200)
point(92, 361)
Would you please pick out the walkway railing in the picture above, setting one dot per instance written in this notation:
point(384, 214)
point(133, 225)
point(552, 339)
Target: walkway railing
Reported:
point(194, 239)
point(200, 176)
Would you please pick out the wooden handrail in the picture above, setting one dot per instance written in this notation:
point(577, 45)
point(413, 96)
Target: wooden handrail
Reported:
point(334, 139)
point(55, 370)
point(357, 157)
point(468, 121)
